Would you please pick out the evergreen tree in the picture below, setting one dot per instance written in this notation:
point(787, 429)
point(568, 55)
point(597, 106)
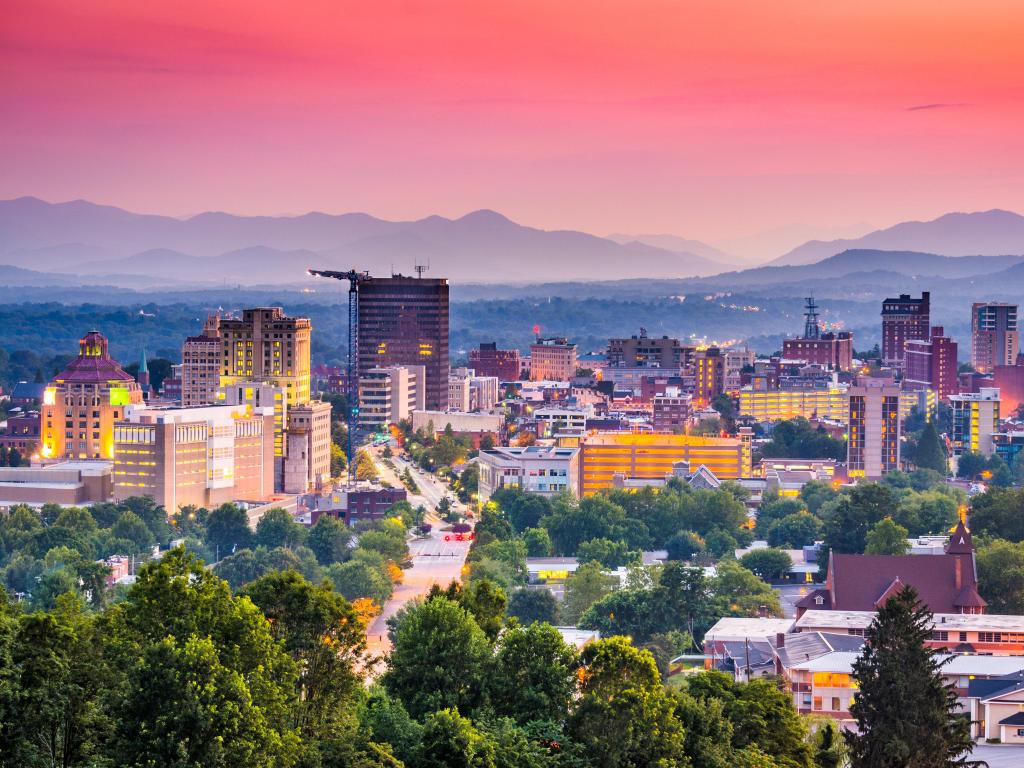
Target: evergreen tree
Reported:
point(930, 453)
point(906, 714)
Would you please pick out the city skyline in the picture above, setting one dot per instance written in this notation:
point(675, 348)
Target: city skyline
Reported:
point(752, 127)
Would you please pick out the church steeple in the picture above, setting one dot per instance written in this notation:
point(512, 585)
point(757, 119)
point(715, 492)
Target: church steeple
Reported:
point(960, 542)
point(143, 376)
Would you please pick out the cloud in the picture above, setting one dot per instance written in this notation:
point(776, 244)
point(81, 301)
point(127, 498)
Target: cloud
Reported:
point(919, 107)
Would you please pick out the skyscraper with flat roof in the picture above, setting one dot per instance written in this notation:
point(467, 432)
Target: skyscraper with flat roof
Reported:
point(994, 336)
point(404, 321)
point(903, 318)
point(267, 346)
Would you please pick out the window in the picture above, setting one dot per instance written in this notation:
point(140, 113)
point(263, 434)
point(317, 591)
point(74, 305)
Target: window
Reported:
point(940, 635)
point(835, 703)
point(817, 704)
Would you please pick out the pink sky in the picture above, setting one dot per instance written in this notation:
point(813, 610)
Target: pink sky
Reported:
point(712, 120)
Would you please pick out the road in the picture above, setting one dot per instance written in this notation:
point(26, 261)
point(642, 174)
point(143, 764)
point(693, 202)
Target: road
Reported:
point(999, 755)
point(434, 560)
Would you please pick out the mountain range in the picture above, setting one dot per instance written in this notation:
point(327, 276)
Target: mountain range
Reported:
point(485, 246)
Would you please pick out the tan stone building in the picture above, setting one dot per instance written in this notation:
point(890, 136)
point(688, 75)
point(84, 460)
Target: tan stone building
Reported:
point(308, 460)
point(201, 363)
point(83, 401)
point(204, 456)
point(552, 360)
point(267, 346)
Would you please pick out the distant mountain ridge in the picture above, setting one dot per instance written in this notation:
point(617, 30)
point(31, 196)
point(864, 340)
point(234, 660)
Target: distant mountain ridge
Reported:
point(485, 246)
point(984, 233)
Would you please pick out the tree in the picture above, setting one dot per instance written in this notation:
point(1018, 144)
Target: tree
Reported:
point(887, 538)
point(610, 554)
point(829, 747)
point(452, 741)
point(898, 673)
point(538, 542)
point(970, 465)
point(585, 586)
point(996, 513)
point(365, 468)
point(849, 517)
point(277, 528)
point(930, 452)
point(329, 539)
point(438, 659)
point(794, 531)
point(227, 529)
point(534, 675)
point(338, 461)
point(769, 564)
point(797, 439)
point(533, 605)
point(130, 527)
point(683, 545)
point(624, 716)
point(486, 603)
point(738, 592)
point(774, 508)
point(358, 578)
point(1001, 576)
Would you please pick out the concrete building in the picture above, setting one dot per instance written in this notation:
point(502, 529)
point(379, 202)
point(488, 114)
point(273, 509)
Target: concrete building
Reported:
point(488, 360)
point(83, 401)
point(403, 321)
point(535, 469)
point(873, 447)
point(355, 502)
point(469, 392)
point(21, 432)
point(655, 456)
point(831, 403)
point(388, 395)
point(259, 394)
point(672, 411)
point(643, 351)
point(1009, 380)
point(307, 461)
point(267, 346)
point(202, 361)
point(68, 483)
point(975, 421)
point(458, 391)
point(204, 456)
point(903, 318)
point(931, 364)
point(554, 419)
point(995, 339)
point(473, 424)
point(735, 361)
point(552, 359)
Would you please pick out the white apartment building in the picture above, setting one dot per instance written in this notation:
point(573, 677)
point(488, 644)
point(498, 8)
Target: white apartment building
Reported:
point(546, 471)
point(387, 395)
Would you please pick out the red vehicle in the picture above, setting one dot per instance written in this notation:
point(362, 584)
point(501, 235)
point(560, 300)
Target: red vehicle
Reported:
point(460, 536)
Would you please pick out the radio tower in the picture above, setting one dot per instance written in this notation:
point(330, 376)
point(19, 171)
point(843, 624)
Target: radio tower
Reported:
point(811, 328)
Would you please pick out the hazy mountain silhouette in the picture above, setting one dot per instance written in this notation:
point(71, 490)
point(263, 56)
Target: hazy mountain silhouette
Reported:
point(482, 246)
point(677, 244)
point(988, 233)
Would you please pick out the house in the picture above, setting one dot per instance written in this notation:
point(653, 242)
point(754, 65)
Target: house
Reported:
point(946, 583)
point(996, 707)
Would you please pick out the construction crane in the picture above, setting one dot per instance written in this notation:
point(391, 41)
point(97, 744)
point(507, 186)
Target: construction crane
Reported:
point(352, 382)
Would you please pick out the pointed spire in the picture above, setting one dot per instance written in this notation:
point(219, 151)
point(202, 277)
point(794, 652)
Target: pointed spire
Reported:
point(143, 368)
point(960, 541)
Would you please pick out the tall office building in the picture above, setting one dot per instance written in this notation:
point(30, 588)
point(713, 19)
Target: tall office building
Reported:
point(873, 447)
point(552, 359)
point(994, 336)
point(647, 351)
point(931, 364)
point(975, 420)
point(488, 360)
point(388, 395)
point(267, 346)
point(903, 318)
point(83, 401)
point(709, 366)
point(201, 364)
point(404, 321)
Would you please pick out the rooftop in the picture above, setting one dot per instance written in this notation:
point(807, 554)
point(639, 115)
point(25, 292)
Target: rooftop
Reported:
point(730, 628)
point(986, 622)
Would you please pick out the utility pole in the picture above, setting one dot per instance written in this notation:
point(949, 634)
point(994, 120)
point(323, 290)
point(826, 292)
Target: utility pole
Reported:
point(352, 384)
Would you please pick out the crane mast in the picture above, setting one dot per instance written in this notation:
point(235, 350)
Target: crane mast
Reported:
point(352, 381)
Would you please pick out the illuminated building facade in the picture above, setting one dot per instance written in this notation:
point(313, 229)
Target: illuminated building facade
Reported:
point(903, 318)
point(388, 395)
point(994, 336)
point(975, 421)
point(873, 447)
point(83, 401)
point(266, 346)
point(552, 360)
point(654, 457)
point(647, 351)
point(829, 403)
point(709, 373)
point(202, 456)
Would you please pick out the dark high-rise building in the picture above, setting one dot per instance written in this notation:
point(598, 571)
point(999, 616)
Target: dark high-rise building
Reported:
point(404, 321)
point(833, 350)
point(994, 339)
point(903, 318)
point(504, 364)
point(649, 351)
point(710, 375)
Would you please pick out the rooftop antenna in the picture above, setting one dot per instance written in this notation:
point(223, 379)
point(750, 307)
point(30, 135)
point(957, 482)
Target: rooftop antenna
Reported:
point(421, 268)
point(811, 328)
